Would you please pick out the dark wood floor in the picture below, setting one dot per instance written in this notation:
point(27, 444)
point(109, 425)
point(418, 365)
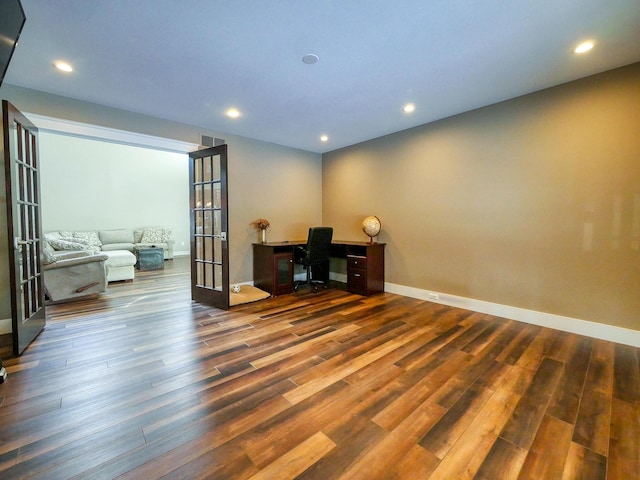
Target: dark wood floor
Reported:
point(141, 383)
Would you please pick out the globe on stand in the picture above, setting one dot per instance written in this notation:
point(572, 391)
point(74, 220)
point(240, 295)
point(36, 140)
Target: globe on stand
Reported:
point(371, 226)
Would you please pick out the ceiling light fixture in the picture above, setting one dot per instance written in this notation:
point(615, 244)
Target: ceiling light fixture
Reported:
point(310, 58)
point(324, 138)
point(583, 47)
point(233, 113)
point(408, 108)
point(63, 66)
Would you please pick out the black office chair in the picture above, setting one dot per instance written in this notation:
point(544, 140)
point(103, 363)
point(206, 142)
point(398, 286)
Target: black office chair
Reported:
point(314, 255)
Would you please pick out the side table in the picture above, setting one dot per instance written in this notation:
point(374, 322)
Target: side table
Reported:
point(149, 258)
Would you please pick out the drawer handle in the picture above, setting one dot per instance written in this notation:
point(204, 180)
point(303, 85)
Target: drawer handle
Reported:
point(356, 275)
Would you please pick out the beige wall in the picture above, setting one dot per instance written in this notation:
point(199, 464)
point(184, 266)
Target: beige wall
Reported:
point(269, 181)
point(532, 203)
point(495, 204)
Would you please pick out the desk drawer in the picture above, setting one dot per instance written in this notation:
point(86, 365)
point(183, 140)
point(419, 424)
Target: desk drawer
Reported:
point(356, 261)
point(357, 280)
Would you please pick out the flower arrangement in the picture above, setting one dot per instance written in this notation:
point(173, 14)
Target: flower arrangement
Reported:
point(261, 224)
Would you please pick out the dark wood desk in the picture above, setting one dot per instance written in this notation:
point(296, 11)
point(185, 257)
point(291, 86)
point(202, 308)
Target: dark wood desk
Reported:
point(273, 266)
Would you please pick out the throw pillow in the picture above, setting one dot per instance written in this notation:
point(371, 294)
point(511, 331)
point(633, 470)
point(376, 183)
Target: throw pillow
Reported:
point(91, 238)
point(73, 244)
point(47, 253)
point(156, 235)
point(51, 235)
point(60, 244)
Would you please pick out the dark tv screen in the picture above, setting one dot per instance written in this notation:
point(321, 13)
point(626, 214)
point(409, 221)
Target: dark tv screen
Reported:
point(12, 20)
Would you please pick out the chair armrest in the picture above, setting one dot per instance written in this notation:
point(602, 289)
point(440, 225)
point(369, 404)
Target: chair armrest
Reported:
point(299, 253)
point(78, 260)
point(64, 254)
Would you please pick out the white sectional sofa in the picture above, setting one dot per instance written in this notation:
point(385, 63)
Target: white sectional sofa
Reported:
point(118, 245)
point(116, 239)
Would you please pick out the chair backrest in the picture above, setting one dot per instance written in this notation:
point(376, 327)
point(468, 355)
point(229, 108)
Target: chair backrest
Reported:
point(319, 244)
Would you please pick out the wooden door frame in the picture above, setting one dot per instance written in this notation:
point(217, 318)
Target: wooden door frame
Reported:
point(25, 330)
point(216, 298)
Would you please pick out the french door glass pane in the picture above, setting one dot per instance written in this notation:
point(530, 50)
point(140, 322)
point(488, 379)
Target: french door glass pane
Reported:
point(199, 247)
point(217, 222)
point(208, 255)
point(199, 196)
point(218, 277)
point(206, 196)
point(208, 222)
point(200, 273)
point(217, 250)
point(197, 170)
point(199, 219)
point(216, 195)
point(206, 167)
point(208, 283)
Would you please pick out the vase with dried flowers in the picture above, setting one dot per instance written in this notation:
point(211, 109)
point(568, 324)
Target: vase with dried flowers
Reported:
point(262, 225)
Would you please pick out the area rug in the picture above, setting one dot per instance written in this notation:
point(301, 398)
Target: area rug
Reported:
point(247, 294)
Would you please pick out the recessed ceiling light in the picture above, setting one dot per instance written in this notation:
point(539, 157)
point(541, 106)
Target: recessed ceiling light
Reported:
point(310, 58)
point(408, 108)
point(233, 113)
point(324, 138)
point(583, 47)
point(63, 66)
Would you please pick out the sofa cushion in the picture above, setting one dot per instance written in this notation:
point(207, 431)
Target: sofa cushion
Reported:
point(155, 235)
point(109, 247)
point(116, 236)
point(120, 258)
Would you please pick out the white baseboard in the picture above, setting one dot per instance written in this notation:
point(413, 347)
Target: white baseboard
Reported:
point(566, 324)
point(601, 331)
point(338, 277)
point(185, 253)
point(5, 326)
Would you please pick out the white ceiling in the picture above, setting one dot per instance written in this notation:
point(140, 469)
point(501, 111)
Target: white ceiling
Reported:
point(190, 60)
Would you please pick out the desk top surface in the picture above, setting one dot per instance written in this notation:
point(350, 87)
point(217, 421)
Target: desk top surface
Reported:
point(284, 243)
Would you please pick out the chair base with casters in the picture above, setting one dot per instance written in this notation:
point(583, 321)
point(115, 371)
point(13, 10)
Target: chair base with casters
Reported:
point(309, 281)
point(314, 255)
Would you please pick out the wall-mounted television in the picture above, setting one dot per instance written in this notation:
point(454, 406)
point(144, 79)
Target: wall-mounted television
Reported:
point(12, 20)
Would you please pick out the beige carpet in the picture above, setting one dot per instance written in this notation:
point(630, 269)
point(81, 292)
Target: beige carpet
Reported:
point(247, 294)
